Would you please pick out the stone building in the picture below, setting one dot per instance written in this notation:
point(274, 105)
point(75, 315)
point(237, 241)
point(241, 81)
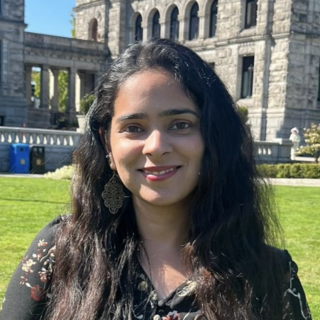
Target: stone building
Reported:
point(21, 51)
point(12, 85)
point(266, 51)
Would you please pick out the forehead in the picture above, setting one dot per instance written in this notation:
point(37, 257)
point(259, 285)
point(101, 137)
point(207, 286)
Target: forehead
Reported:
point(151, 89)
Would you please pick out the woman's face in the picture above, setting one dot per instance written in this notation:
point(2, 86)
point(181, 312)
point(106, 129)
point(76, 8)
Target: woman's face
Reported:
point(155, 141)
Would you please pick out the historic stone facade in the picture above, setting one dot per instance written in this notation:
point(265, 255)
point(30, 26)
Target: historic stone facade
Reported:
point(266, 51)
point(279, 40)
point(12, 97)
point(20, 51)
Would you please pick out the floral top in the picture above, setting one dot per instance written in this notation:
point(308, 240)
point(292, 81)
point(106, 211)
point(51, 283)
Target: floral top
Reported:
point(28, 290)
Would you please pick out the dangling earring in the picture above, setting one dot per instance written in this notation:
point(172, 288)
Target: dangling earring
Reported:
point(113, 194)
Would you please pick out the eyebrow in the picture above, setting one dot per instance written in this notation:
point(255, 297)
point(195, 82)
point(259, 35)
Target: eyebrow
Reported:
point(165, 113)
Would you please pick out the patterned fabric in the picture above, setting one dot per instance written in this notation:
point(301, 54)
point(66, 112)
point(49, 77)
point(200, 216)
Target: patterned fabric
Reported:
point(29, 290)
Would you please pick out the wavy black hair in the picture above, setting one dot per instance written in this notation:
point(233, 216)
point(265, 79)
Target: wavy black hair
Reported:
point(232, 221)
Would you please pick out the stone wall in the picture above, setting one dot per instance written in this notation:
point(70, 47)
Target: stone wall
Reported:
point(12, 85)
point(85, 11)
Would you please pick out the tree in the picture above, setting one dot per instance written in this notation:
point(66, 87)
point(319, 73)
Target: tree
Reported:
point(63, 90)
point(73, 23)
point(35, 78)
point(243, 113)
point(86, 102)
point(312, 139)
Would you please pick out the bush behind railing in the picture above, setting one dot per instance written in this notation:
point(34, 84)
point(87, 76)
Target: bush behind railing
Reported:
point(296, 170)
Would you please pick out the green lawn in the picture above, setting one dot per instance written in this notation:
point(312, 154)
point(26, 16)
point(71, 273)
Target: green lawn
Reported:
point(26, 205)
point(299, 212)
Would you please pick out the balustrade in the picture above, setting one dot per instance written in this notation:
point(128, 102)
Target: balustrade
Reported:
point(39, 137)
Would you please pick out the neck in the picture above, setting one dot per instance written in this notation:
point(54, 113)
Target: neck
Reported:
point(165, 227)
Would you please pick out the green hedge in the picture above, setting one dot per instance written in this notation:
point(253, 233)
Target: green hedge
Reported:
point(296, 170)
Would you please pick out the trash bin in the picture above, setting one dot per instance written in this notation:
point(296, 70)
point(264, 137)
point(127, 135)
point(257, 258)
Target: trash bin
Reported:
point(19, 158)
point(37, 159)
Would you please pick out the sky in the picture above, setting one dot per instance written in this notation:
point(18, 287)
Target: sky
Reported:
point(49, 17)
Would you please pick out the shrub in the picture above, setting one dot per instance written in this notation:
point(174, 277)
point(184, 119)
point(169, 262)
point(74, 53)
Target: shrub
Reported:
point(312, 138)
point(86, 102)
point(267, 171)
point(64, 173)
point(296, 170)
point(243, 113)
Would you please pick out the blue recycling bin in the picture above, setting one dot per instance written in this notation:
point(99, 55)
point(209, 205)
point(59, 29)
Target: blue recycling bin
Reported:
point(19, 158)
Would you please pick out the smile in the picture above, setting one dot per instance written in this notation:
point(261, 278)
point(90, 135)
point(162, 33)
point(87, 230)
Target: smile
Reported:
point(158, 173)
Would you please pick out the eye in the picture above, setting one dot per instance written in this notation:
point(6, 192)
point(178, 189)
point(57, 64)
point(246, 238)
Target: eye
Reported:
point(180, 126)
point(132, 129)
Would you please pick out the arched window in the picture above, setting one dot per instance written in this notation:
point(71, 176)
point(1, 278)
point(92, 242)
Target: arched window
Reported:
point(213, 19)
point(94, 30)
point(174, 24)
point(156, 25)
point(138, 34)
point(194, 22)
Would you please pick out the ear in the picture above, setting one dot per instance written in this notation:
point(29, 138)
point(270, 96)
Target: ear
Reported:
point(103, 137)
point(111, 162)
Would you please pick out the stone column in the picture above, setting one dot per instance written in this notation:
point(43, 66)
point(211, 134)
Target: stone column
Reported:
point(79, 89)
point(96, 78)
point(162, 23)
point(71, 106)
point(145, 33)
point(44, 96)
point(183, 28)
point(28, 72)
point(201, 28)
point(54, 93)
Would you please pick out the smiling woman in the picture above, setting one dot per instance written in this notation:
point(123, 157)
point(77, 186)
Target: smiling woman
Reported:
point(170, 218)
point(155, 137)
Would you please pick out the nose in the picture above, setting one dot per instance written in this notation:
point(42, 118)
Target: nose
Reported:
point(157, 144)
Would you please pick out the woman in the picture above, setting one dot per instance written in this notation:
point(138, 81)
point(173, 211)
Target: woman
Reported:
point(169, 218)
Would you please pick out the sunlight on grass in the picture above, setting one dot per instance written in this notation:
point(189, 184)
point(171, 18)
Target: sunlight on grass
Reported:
point(299, 215)
point(27, 205)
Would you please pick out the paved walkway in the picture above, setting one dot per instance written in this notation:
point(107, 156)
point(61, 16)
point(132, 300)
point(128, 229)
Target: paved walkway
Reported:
point(21, 175)
point(279, 182)
point(296, 182)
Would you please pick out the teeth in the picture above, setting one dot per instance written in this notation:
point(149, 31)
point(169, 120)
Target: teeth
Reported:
point(158, 173)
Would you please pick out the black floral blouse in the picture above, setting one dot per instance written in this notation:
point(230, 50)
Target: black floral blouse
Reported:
point(27, 292)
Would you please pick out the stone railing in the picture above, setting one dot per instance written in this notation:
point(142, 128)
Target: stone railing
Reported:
point(69, 44)
point(58, 145)
point(277, 151)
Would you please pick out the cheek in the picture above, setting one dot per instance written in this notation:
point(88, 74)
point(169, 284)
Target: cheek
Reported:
point(126, 155)
point(197, 149)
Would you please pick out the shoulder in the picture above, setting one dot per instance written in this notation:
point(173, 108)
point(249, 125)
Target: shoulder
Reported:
point(281, 256)
point(38, 263)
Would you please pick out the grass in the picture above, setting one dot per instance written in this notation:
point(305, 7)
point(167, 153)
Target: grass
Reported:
point(27, 205)
point(300, 218)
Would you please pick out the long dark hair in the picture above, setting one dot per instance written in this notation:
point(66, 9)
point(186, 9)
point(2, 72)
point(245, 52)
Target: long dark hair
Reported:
point(232, 221)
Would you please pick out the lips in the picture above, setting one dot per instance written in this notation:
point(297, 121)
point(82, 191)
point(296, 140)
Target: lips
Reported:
point(159, 173)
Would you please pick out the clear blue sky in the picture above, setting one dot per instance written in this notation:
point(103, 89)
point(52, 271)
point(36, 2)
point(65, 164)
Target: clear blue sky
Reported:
point(49, 16)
